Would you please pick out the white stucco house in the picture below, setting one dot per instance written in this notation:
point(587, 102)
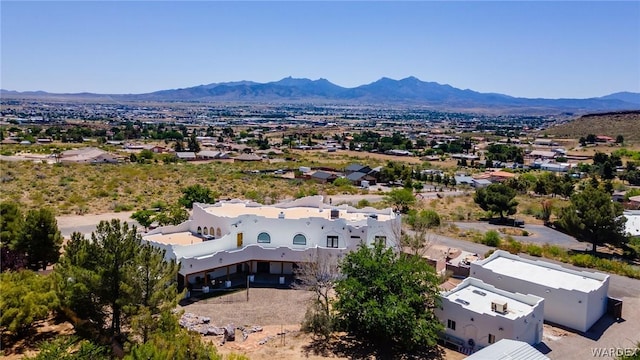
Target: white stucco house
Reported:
point(575, 299)
point(476, 315)
point(247, 238)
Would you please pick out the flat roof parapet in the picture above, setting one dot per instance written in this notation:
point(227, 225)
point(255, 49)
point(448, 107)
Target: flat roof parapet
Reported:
point(541, 272)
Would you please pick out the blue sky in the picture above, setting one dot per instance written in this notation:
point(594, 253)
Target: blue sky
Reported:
point(531, 49)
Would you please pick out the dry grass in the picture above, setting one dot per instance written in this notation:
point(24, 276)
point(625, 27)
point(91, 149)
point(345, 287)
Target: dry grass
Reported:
point(83, 188)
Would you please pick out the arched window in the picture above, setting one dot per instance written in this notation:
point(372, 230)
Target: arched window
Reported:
point(211, 231)
point(199, 230)
point(206, 232)
point(299, 240)
point(263, 237)
point(218, 232)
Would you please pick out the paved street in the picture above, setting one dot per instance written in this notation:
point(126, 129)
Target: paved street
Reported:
point(86, 224)
point(539, 234)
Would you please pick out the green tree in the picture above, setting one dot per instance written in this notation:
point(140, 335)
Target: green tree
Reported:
point(178, 146)
point(144, 217)
point(115, 276)
point(40, 240)
point(11, 222)
point(71, 348)
point(26, 298)
point(11, 226)
point(173, 215)
point(593, 217)
point(401, 199)
point(425, 219)
point(170, 341)
point(497, 198)
point(386, 297)
point(78, 281)
point(154, 288)
point(196, 193)
point(193, 144)
point(118, 244)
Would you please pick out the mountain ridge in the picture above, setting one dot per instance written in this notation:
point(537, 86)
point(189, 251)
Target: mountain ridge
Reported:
point(408, 91)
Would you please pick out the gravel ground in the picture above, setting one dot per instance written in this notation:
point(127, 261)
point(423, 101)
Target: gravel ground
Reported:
point(265, 307)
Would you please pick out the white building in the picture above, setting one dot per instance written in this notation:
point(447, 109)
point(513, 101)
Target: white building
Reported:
point(506, 349)
point(243, 237)
point(632, 226)
point(476, 315)
point(575, 299)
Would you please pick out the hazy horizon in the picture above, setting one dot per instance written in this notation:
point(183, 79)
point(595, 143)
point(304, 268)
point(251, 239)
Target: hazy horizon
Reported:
point(521, 49)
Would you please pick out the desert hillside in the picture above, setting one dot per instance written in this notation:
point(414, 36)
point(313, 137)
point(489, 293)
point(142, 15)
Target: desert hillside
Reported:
point(625, 123)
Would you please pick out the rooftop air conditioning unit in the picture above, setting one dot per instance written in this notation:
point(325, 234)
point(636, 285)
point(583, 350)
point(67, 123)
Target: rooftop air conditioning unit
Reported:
point(335, 214)
point(499, 306)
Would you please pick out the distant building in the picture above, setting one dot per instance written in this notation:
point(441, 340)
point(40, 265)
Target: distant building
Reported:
point(323, 176)
point(397, 152)
point(88, 155)
point(186, 155)
point(604, 139)
point(541, 154)
point(481, 183)
point(357, 168)
point(247, 157)
point(632, 226)
point(555, 167)
point(634, 202)
point(212, 155)
point(357, 178)
point(463, 180)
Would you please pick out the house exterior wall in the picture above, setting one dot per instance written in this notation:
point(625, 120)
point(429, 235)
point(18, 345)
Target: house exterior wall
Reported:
point(475, 326)
point(225, 250)
point(567, 307)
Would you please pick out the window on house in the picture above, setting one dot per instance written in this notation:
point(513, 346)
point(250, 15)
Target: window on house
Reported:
point(381, 240)
point(451, 324)
point(332, 241)
point(299, 240)
point(199, 230)
point(218, 232)
point(492, 338)
point(211, 231)
point(206, 231)
point(263, 237)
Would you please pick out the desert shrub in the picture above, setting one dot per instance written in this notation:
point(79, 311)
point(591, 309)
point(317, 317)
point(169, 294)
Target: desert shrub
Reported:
point(533, 250)
point(511, 245)
point(553, 251)
point(363, 203)
point(445, 276)
point(117, 207)
point(317, 321)
point(491, 238)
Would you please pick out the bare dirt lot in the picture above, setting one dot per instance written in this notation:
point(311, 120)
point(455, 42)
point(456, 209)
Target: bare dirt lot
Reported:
point(279, 312)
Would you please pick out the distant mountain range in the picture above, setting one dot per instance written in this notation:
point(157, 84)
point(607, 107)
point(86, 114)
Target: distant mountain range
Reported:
point(408, 91)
